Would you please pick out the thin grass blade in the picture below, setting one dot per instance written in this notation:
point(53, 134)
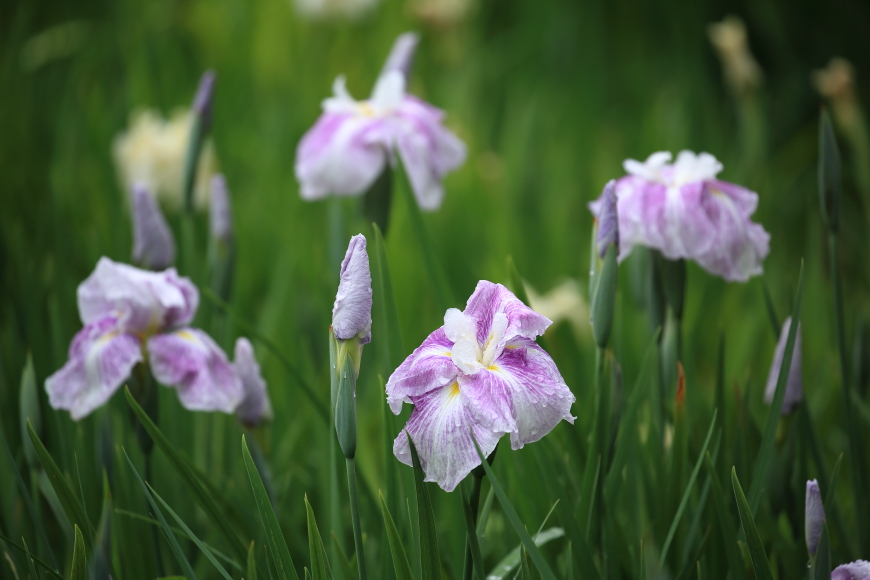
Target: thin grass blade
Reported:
point(756, 549)
point(430, 558)
point(315, 544)
point(400, 558)
point(726, 523)
point(79, 568)
point(471, 534)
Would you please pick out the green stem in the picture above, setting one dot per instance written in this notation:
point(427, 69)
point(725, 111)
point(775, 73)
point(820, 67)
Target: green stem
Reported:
point(354, 515)
point(474, 500)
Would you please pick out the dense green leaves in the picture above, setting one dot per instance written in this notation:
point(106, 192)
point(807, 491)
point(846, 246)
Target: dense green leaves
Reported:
point(753, 538)
point(430, 558)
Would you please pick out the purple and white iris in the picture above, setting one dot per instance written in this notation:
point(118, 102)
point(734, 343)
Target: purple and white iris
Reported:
point(481, 372)
point(132, 316)
point(683, 211)
point(857, 570)
point(352, 141)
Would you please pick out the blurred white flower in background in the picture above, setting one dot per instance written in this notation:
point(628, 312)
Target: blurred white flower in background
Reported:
point(441, 13)
point(728, 37)
point(334, 8)
point(152, 151)
point(562, 302)
point(836, 82)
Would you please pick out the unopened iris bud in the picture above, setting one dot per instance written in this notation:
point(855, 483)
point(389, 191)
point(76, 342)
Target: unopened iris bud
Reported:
point(608, 224)
point(402, 54)
point(814, 517)
point(202, 102)
point(153, 245)
point(794, 389)
point(603, 290)
point(201, 109)
point(352, 312)
point(220, 210)
point(255, 406)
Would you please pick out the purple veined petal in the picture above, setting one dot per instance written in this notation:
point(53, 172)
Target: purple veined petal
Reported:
point(342, 154)
point(255, 406)
point(428, 150)
point(857, 570)
point(220, 210)
point(814, 516)
point(794, 389)
point(489, 299)
point(441, 427)
point(428, 368)
point(153, 245)
point(352, 311)
point(402, 54)
point(142, 301)
point(189, 360)
point(488, 396)
point(100, 359)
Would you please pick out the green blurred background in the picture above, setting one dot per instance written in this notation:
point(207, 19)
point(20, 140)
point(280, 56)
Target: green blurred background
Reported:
point(550, 98)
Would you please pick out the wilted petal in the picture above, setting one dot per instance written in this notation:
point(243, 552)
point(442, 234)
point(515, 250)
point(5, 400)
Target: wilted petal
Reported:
point(857, 570)
point(441, 427)
point(814, 516)
point(604, 210)
point(794, 390)
point(342, 154)
point(189, 360)
point(489, 299)
point(428, 368)
point(142, 301)
point(100, 359)
point(429, 150)
point(352, 312)
point(402, 54)
point(255, 406)
point(153, 246)
point(220, 210)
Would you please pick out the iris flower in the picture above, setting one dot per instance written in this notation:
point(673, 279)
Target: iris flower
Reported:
point(683, 211)
point(857, 570)
point(134, 316)
point(353, 141)
point(481, 372)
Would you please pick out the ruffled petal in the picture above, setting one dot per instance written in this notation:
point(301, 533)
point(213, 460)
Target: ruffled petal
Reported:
point(441, 427)
point(142, 301)
point(429, 367)
point(429, 150)
point(100, 359)
point(857, 570)
point(794, 388)
point(255, 406)
point(189, 360)
point(489, 395)
point(539, 396)
point(342, 154)
point(489, 299)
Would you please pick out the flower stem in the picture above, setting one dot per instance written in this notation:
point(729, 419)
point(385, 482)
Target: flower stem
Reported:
point(474, 500)
point(354, 516)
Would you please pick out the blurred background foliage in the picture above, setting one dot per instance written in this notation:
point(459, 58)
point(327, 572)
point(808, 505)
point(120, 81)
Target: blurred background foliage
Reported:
point(550, 98)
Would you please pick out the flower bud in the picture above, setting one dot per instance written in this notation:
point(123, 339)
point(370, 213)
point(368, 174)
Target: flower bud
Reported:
point(402, 55)
point(255, 406)
point(608, 224)
point(220, 210)
point(603, 289)
point(202, 102)
point(344, 370)
point(153, 246)
point(814, 517)
point(352, 312)
point(794, 390)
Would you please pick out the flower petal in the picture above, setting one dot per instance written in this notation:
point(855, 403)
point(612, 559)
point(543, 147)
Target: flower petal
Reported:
point(352, 311)
point(142, 301)
point(342, 154)
point(857, 570)
point(429, 367)
point(100, 359)
point(794, 389)
point(402, 54)
point(255, 406)
point(441, 427)
point(189, 360)
point(429, 150)
point(489, 299)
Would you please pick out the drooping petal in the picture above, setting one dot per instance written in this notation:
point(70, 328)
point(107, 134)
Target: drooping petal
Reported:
point(255, 406)
point(352, 311)
point(100, 359)
point(857, 570)
point(342, 154)
point(429, 150)
point(189, 360)
point(153, 245)
point(441, 427)
point(428, 368)
point(814, 516)
point(794, 390)
point(489, 299)
point(142, 301)
point(402, 54)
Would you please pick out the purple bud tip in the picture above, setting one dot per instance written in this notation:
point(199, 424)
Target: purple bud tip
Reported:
point(153, 245)
point(402, 54)
point(814, 516)
point(608, 224)
point(220, 210)
point(203, 99)
point(794, 387)
point(352, 312)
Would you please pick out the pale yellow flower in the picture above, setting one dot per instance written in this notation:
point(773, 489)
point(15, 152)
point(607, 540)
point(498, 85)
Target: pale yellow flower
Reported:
point(442, 13)
point(153, 150)
point(563, 302)
point(728, 37)
point(836, 83)
point(334, 8)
